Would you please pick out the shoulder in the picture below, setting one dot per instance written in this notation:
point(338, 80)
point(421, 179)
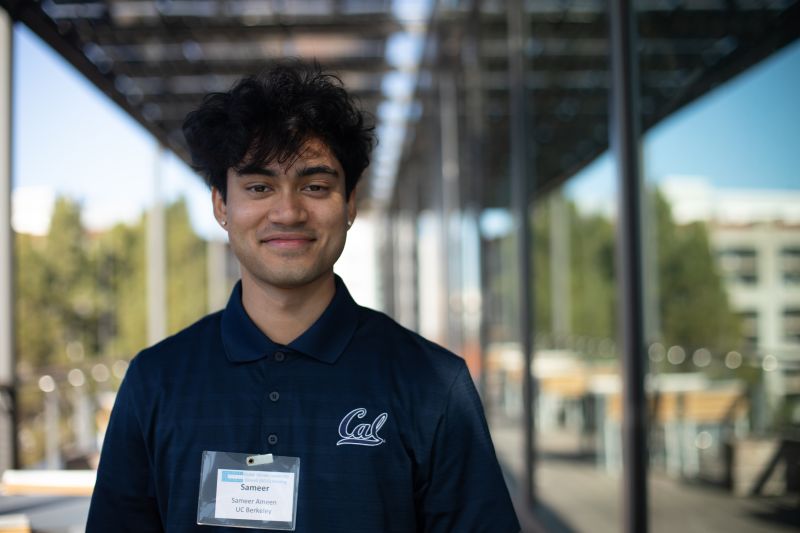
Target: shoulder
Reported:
point(167, 369)
point(184, 347)
point(407, 350)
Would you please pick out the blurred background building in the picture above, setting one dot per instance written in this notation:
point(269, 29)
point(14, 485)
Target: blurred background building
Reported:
point(595, 202)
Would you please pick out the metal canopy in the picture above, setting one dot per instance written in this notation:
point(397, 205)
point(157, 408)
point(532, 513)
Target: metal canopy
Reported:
point(157, 58)
point(686, 48)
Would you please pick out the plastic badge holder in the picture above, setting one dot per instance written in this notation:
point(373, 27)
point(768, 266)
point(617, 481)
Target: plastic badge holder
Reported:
point(248, 490)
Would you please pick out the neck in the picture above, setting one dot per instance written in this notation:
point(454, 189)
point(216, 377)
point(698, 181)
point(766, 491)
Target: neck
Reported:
point(283, 314)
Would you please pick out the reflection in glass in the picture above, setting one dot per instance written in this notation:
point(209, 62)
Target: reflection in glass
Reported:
point(723, 231)
point(80, 218)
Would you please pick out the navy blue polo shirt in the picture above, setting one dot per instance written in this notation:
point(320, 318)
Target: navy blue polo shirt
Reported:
point(388, 426)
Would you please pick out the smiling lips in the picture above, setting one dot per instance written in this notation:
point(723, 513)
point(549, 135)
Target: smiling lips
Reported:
point(289, 241)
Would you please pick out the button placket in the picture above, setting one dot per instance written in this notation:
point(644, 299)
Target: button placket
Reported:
point(272, 398)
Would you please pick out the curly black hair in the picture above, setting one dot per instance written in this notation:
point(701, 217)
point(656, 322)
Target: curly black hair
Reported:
point(269, 117)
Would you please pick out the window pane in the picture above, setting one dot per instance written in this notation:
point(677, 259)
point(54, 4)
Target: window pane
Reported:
point(579, 408)
point(88, 184)
point(721, 123)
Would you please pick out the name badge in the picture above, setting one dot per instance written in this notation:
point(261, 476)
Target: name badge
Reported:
point(248, 490)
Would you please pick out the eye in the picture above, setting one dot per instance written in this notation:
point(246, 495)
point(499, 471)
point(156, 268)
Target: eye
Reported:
point(315, 188)
point(258, 188)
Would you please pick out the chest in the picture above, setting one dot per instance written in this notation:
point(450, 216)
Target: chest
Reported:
point(350, 434)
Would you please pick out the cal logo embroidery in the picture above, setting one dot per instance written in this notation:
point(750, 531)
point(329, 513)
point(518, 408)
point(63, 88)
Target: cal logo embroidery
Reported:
point(361, 434)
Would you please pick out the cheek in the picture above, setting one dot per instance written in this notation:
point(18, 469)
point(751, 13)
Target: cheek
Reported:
point(332, 215)
point(245, 214)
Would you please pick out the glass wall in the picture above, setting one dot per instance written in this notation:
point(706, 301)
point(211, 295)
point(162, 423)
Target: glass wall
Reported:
point(110, 254)
point(576, 361)
point(117, 248)
point(723, 225)
point(720, 261)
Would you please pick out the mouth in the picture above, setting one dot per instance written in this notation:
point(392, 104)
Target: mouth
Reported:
point(288, 241)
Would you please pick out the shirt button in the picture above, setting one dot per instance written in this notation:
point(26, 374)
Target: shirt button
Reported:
point(272, 439)
point(274, 396)
point(280, 356)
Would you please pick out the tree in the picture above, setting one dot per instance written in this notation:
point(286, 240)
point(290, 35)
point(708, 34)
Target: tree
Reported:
point(81, 296)
point(36, 326)
point(594, 309)
point(692, 304)
point(55, 290)
point(589, 270)
point(186, 269)
point(89, 291)
point(121, 269)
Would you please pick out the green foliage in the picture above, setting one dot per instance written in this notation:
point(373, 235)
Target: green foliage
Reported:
point(692, 306)
point(590, 290)
point(186, 269)
point(88, 291)
point(81, 299)
point(122, 281)
point(697, 312)
point(55, 304)
point(36, 322)
point(593, 286)
point(542, 293)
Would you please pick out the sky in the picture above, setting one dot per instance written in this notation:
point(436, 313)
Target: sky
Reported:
point(70, 139)
point(742, 135)
point(59, 113)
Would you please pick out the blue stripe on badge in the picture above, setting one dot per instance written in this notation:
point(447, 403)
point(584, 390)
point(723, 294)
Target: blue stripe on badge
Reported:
point(228, 475)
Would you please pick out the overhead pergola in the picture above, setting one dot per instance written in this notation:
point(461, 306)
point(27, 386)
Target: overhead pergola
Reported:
point(157, 58)
point(686, 48)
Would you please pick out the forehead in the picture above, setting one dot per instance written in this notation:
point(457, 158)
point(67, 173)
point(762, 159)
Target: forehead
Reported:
point(313, 151)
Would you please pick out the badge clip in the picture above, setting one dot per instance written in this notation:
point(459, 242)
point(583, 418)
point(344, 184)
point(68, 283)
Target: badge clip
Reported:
point(265, 459)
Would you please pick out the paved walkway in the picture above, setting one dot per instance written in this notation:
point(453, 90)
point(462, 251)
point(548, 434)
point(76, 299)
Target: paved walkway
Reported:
point(49, 514)
point(577, 496)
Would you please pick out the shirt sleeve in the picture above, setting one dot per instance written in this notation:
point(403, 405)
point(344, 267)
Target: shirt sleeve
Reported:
point(124, 496)
point(465, 490)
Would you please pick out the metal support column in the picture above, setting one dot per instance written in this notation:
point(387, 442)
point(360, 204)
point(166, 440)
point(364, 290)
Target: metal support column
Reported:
point(560, 266)
point(521, 178)
point(406, 259)
point(625, 139)
point(386, 262)
point(156, 259)
point(8, 405)
point(450, 205)
point(476, 314)
point(218, 288)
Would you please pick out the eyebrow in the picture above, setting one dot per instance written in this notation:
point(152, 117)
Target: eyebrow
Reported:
point(317, 169)
point(303, 172)
point(255, 169)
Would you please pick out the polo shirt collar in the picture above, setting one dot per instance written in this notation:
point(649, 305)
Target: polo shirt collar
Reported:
point(325, 340)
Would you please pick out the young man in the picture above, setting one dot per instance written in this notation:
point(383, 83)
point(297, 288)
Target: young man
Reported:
point(387, 427)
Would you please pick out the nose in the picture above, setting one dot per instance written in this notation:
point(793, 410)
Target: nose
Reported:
point(287, 209)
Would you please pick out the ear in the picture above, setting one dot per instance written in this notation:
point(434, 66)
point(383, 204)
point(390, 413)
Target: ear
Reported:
point(351, 207)
point(220, 208)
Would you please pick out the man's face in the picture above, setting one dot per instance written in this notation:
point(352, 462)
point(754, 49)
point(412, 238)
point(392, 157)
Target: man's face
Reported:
point(287, 224)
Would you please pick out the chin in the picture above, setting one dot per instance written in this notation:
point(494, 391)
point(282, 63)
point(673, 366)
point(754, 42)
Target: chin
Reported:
point(291, 280)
